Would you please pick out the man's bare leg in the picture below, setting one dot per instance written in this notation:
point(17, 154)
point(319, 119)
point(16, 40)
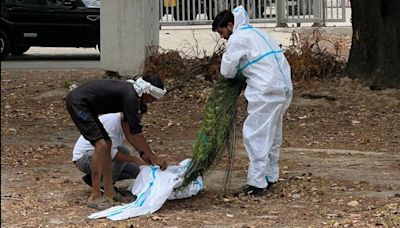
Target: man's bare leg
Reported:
point(100, 149)
point(109, 192)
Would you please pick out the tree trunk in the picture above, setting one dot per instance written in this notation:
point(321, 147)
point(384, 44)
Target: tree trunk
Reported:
point(375, 51)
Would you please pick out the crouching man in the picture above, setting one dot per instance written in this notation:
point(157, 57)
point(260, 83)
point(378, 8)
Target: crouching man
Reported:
point(86, 103)
point(124, 165)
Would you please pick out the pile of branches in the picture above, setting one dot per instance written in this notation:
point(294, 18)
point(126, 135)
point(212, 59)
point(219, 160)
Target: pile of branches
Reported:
point(314, 57)
point(178, 69)
point(165, 63)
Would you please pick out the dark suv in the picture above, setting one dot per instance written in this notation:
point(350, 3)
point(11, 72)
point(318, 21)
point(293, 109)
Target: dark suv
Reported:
point(48, 23)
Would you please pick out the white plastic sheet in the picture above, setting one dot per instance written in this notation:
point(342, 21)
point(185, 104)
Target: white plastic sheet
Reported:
point(153, 187)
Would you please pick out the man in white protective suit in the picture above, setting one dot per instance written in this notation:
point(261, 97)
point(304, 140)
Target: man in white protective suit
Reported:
point(258, 57)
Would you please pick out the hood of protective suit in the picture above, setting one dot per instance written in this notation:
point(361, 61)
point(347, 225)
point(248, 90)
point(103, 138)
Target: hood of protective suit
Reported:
point(241, 17)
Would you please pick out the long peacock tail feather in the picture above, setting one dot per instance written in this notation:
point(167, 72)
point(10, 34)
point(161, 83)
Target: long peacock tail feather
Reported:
point(218, 118)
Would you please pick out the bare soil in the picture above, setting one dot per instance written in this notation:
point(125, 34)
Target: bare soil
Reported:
point(340, 160)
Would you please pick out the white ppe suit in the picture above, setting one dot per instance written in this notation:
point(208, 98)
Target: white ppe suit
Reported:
point(258, 57)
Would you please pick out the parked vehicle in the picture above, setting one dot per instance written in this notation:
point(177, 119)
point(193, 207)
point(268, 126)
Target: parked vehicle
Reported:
point(48, 23)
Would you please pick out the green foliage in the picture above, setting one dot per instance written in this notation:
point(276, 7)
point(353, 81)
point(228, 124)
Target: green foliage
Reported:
point(67, 83)
point(218, 118)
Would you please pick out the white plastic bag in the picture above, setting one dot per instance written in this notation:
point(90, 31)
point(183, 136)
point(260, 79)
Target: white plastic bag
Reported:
point(153, 187)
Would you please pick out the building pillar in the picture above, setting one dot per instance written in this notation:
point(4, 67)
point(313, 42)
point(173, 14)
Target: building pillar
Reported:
point(126, 28)
point(318, 9)
point(280, 14)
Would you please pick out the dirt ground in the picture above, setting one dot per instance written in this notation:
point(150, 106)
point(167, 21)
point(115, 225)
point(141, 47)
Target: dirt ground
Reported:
point(340, 159)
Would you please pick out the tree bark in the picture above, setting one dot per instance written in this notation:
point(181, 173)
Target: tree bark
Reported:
point(375, 51)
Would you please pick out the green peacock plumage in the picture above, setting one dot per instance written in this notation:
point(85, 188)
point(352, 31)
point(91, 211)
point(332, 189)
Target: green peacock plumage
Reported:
point(218, 119)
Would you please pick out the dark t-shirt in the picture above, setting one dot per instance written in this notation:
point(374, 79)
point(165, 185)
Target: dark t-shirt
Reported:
point(109, 96)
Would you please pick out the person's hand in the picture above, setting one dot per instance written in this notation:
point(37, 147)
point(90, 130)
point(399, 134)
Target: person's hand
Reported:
point(146, 158)
point(154, 160)
point(161, 162)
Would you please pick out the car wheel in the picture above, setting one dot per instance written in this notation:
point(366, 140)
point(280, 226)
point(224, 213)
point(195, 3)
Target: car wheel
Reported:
point(4, 45)
point(17, 51)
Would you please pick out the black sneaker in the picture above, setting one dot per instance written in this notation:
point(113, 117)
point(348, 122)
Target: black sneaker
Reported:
point(270, 185)
point(88, 180)
point(249, 190)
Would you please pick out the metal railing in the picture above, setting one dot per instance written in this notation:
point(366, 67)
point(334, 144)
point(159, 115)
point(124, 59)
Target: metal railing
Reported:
point(189, 12)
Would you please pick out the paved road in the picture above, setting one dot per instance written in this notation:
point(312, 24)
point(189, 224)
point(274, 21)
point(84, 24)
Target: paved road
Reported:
point(54, 64)
point(54, 58)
